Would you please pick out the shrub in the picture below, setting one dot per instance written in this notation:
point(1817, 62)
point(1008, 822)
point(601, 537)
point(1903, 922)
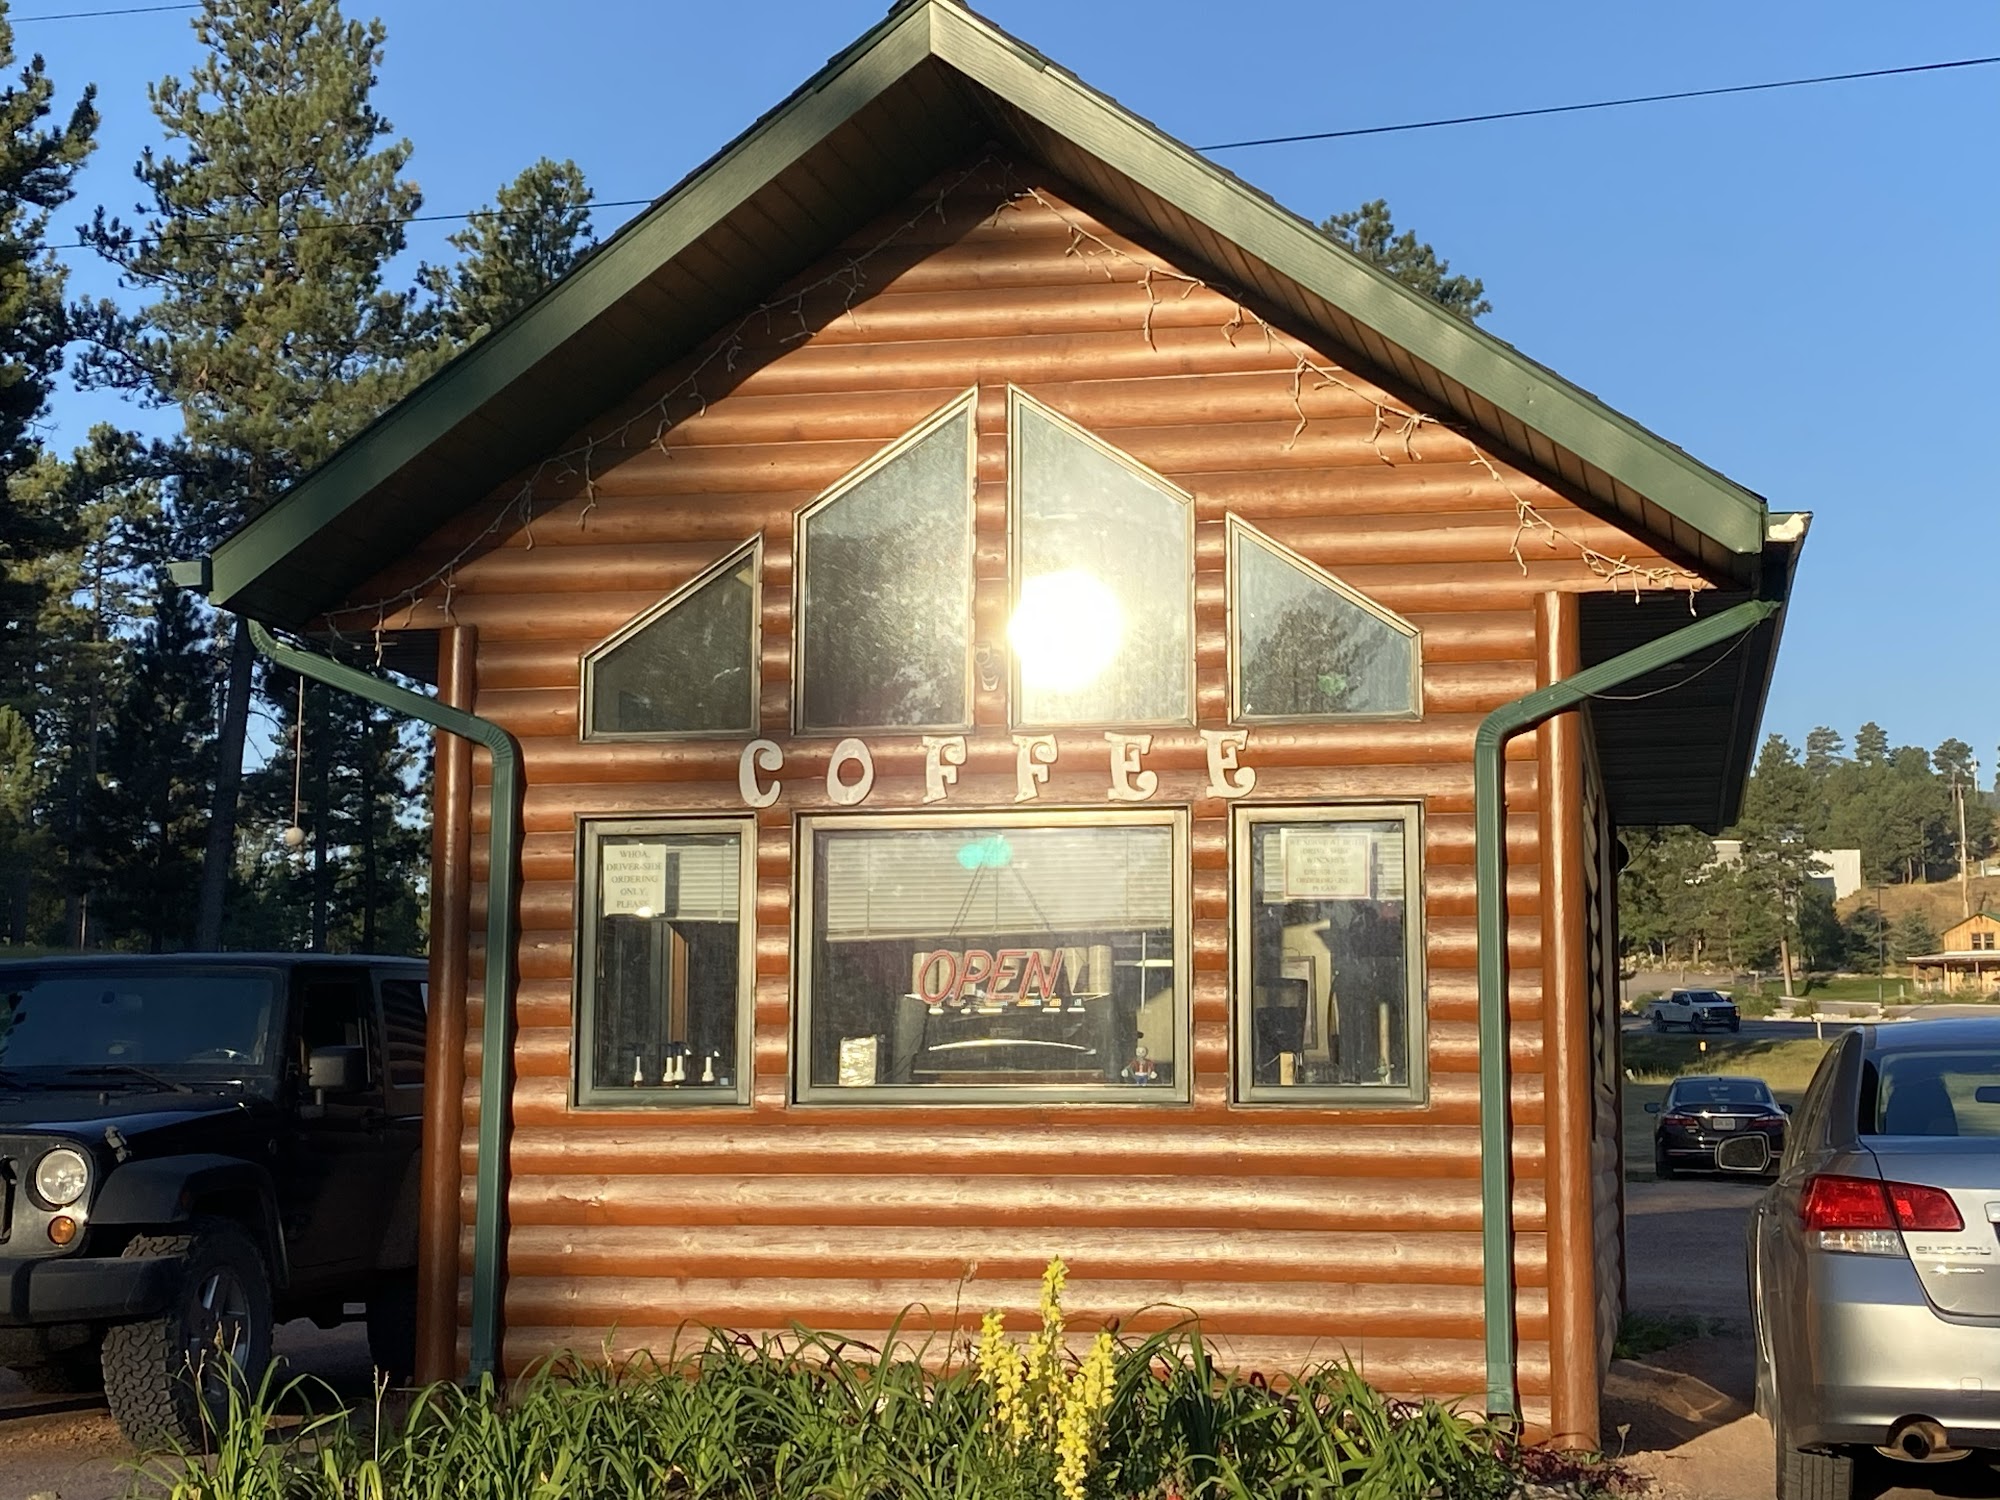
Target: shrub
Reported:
point(809, 1417)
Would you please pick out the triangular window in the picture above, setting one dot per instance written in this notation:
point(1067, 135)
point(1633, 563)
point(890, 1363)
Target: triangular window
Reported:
point(686, 666)
point(885, 588)
point(1102, 628)
point(1306, 646)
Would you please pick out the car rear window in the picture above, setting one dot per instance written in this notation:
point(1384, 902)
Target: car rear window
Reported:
point(1934, 1093)
point(1721, 1091)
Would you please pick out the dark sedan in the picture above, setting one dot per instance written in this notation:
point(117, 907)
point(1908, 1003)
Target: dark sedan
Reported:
point(1700, 1115)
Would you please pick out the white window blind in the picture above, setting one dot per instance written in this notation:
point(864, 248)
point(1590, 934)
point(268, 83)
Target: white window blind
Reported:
point(937, 883)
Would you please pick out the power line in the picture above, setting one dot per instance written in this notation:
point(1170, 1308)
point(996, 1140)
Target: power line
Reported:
point(1566, 109)
point(85, 15)
point(1275, 140)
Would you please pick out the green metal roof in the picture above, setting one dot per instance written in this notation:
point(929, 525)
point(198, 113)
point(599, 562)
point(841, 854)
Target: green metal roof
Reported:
point(920, 90)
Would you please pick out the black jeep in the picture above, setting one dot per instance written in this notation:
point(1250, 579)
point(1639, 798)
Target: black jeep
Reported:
point(194, 1149)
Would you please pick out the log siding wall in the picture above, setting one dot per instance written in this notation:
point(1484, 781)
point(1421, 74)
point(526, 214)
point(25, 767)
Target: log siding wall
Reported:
point(1297, 1233)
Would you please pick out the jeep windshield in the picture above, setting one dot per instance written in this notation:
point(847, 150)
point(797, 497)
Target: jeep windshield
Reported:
point(137, 1026)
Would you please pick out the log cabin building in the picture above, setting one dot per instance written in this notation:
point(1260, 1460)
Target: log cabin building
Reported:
point(995, 615)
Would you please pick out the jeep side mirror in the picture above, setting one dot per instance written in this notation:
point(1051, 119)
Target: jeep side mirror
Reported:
point(337, 1070)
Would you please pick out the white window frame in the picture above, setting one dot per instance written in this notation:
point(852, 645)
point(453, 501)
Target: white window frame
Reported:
point(585, 1092)
point(1239, 531)
point(967, 403)
point(1245, 1090)
point(1016, 400)
point(753, 549)
point(804, 918)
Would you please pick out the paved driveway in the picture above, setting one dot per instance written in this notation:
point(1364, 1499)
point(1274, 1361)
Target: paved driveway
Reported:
point(1687, 1410)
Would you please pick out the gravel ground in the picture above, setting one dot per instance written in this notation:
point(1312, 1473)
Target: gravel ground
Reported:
point(68, 1448)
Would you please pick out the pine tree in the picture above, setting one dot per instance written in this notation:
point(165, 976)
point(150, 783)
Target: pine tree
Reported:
point(1783, 819)
point(38, 166)
point(146, 811)
point(1370, 233)
point(1824, 749)
point(260, 254)
point(511, 252)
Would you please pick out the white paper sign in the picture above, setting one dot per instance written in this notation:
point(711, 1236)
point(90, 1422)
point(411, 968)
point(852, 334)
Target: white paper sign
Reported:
point(635, 880)
point(1328, 864)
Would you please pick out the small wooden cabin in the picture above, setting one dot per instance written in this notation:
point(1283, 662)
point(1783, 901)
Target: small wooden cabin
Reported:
point(996, 613)
point(1967, 958)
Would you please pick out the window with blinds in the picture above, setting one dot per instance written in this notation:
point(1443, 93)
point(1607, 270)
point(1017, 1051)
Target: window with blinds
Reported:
point(1001, 957)
point(687, 666)
point(665, 961)
point(1303, 645)
point(1328, 988)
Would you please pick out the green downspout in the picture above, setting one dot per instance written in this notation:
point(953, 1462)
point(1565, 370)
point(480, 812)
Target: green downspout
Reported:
point(503, 892)
point(1496, 1176)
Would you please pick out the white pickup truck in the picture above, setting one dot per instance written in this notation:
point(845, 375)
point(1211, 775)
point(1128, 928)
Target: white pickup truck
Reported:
point(1697, 1010)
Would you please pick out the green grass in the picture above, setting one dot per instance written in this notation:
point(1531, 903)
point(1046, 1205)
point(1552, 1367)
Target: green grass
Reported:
point(1894, 990)
point(1655, 1061)
point(1640, 1334)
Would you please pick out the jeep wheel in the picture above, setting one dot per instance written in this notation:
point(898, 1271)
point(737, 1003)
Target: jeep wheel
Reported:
point(167, 1377)
point(392, 1326)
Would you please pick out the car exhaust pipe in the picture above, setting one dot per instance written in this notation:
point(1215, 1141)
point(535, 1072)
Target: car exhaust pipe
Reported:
point(1921, 1440)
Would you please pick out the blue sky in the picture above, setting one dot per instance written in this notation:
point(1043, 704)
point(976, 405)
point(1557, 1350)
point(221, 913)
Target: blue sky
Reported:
point(1802, 287)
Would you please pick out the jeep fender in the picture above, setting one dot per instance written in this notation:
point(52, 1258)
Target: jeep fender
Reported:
point(166, 1190)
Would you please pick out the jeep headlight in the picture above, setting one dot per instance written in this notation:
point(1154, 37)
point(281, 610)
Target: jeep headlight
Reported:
point(61, 1176)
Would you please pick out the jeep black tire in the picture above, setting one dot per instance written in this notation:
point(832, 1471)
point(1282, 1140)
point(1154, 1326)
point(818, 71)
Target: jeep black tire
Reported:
point(392, 1326)
point(169, 1376)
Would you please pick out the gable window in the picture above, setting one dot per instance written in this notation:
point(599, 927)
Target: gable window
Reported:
point(1303, 645)
point(1024, 957)
point(665, 961)
point(1102, 628)
point(884, 574)
point(1328, 954)
point(686, 666)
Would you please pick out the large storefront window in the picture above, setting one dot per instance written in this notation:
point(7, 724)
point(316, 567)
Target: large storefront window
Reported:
point(1103, 624)
point(1329, 954)
point(994, 958)
point(884, 580)
point(666, 962)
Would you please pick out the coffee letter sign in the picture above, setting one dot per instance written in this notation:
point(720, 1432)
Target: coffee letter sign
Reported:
point(943, 755)
point(840, 793)
point(758, 754)
point(1225, 777)
point(1128, 782)
point(1034, 754)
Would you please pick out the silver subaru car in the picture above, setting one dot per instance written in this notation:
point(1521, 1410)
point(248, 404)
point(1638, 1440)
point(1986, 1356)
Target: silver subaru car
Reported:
point(1875, 1259)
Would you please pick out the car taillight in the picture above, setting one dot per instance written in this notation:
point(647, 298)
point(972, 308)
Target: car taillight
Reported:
point(1863, 1216)
point(1684, 1122)
point(1924, 1208)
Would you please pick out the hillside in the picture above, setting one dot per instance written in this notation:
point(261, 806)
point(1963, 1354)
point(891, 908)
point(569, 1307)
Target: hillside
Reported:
point(1937, 899)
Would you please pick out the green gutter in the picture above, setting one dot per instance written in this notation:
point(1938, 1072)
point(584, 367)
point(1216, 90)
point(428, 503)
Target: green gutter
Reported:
point(503, 893)
point(1496, 1176)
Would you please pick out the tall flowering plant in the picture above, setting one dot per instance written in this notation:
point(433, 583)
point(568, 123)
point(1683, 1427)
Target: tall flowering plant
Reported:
point(1040, 1409)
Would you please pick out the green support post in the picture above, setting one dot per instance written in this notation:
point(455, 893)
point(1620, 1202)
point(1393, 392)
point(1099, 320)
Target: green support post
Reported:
point(1496, 1175)
point(496, 1030)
